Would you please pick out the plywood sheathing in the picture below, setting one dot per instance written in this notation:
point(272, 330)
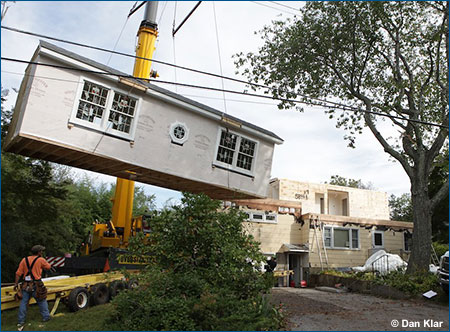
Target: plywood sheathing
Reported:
point(343, 220)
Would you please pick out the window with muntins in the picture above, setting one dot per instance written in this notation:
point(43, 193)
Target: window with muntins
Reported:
point(92, 103)
point(122, 112)
point(341, 238)
point(105, 109)
point(236, 152)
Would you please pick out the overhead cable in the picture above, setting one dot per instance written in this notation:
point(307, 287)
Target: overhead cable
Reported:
point(280, 10)
point(283, 5)
point(294, 101)
point(320, 100)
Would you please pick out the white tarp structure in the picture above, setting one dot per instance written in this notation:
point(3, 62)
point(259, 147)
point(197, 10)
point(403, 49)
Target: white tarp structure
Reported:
point(382, 262)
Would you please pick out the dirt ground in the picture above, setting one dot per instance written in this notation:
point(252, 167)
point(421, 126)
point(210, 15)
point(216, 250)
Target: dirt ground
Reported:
point(313, 310)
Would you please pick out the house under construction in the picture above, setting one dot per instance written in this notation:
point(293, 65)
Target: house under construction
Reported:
point(309, 227)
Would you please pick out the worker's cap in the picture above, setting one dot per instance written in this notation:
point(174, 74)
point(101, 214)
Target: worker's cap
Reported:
point(37, 248)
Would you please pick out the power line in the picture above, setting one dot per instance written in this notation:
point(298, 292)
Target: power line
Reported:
point(294, 101)
point(283, 5)
point(185, 95)
point(280, 10)
point(319, 100)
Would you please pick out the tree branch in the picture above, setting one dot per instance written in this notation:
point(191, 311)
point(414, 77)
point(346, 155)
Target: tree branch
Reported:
point(387, 148)
point(441, 137)
point(439, 196)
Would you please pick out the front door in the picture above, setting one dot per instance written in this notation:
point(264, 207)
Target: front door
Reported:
point(295, 264)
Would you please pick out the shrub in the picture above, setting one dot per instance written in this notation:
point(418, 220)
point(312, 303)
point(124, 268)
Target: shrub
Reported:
point(202, 274)
point(440, 248)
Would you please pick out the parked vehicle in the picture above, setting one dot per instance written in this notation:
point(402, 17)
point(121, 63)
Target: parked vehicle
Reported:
point(443, 272)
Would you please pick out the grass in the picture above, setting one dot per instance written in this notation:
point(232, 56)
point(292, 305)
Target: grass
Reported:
point(90, 319)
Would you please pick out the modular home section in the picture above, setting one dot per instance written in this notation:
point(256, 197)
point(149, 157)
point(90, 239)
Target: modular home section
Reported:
point(74, 111)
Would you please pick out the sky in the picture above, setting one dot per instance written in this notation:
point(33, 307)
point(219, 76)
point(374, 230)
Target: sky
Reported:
point(313, 149)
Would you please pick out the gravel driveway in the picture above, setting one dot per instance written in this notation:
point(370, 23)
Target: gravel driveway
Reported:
point(313, 310)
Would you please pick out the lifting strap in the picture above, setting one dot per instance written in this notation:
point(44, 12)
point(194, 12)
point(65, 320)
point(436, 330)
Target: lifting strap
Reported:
point(31, 267)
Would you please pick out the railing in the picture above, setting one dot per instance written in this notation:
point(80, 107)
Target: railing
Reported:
point(381, 265)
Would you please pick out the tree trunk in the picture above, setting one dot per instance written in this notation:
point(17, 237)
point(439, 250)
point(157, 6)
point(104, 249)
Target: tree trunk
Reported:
point(421, 240)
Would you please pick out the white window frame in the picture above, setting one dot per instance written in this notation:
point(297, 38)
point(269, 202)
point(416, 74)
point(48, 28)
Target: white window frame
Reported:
point(175, 139)
point(373, 239)
point(350, 231)
point(233, 165)
point(264, 217)
point(104, 126)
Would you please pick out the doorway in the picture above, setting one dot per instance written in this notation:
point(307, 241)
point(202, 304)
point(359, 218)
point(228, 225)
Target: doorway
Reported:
point(295, 264)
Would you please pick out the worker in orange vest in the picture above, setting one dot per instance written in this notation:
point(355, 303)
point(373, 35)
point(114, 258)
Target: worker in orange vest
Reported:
point(30, 269)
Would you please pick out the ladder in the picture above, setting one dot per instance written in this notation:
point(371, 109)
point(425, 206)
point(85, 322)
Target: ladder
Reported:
point(434, 257)
point(318, 231)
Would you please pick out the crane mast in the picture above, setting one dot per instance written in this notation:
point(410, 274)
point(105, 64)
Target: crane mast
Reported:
point(117, 232)
point(124, 194)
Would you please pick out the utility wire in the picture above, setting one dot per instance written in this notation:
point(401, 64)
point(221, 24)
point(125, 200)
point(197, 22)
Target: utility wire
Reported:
point(280, 10)
point(294, 101)
point(185, 95)
point(118, 38)
point(175, 30)
point(220, 58)
point(285, 6)
point(162, 12)
point(338, 105)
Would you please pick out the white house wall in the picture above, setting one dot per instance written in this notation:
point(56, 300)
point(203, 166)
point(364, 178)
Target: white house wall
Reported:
point(45, 115)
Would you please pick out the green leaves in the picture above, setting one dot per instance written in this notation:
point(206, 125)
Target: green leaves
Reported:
point(201, 276)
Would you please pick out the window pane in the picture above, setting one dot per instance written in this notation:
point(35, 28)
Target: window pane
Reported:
point(244, 162)
point(327, 236)
point(378, 239)
point(246, 153)
point(120, 122)
point(271, 217)
point(247, 147)
point(341, 238)
point(257, 216)
point(227, 145)
point(228, 140)
point(225, 155)
point(124, 104)
point(355, 240)
point(91, 106)
point(122, 112)
point(89, 112)
point(94, 93)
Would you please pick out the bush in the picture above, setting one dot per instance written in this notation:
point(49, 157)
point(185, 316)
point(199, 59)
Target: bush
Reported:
point(440, 248)
point(202, 274)
point(414, 284)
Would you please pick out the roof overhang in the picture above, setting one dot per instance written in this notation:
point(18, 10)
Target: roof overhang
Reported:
point(294, 248)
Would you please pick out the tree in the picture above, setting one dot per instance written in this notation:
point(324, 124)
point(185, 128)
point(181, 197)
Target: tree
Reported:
point(352, 183)
point(439, 220)
point(200, 275)
point(390, 58)
point(400, 207)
